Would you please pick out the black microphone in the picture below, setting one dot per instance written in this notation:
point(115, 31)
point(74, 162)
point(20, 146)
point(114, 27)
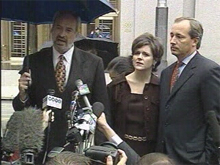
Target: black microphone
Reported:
point(24, 133)
point(83, 90)
point(98, 108)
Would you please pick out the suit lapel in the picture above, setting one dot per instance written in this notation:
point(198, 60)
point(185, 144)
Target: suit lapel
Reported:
point(184, 77)
point(167, 79)
point(76, 70)
point(48, 76)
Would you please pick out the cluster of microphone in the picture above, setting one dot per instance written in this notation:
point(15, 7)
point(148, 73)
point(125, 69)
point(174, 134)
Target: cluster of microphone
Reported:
point(24, 133)
point(23, 138)
point(82, 120)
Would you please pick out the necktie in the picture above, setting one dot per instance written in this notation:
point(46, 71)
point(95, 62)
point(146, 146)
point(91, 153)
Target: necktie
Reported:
point(175, 75)
point(60, 73)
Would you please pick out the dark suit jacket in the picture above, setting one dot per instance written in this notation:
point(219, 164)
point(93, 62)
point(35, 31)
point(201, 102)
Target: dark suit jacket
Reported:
point(132, 156)
point(85, 66)
point(183, 131)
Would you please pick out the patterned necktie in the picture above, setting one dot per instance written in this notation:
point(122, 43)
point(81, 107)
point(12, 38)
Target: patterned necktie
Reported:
point(60, 73)
point(175, 75)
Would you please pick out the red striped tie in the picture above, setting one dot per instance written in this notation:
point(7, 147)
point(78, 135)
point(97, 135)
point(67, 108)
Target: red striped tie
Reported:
point(175, 75)
point(60, 73)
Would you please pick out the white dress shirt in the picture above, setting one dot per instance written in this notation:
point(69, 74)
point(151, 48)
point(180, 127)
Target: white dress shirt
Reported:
point(185, 61)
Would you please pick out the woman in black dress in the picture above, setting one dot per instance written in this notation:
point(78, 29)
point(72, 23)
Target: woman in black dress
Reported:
point(134, 97)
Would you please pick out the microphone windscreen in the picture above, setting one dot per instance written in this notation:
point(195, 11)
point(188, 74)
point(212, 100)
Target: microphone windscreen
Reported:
point(215, 127)
point(10, 140)
point(24, 130)
point(98, 108)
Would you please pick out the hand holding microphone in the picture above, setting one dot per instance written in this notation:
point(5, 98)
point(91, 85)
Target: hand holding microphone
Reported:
point(104, 127)
point(48, 116)
point(50, 102)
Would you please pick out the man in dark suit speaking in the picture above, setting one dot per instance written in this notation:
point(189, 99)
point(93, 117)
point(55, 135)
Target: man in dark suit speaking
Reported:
point(184, 130)
point(58, 67)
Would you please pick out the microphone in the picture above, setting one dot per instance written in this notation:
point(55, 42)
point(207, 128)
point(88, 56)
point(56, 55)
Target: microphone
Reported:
point(87, 119)
point(24, 134)
point(98, 108)
point(50, 101)
point(73, 106)
point(83, 90)
point(83, 130)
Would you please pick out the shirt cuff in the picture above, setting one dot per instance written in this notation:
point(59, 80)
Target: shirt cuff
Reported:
point(116, 139)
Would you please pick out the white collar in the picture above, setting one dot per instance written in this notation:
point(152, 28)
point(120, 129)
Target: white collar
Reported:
point(188, 58)
point(68, 55)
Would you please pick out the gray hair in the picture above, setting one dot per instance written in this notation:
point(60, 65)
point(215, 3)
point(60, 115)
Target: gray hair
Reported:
point(196, 29)
point(61, 14)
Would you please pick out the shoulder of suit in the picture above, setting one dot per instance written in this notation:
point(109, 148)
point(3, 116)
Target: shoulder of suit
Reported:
point(168, 67)
point(205, 62)
point(43, 52)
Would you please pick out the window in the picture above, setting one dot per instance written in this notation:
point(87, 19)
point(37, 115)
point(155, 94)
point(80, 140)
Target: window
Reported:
point(106, 27)
point(114, 3)
point(18, 39)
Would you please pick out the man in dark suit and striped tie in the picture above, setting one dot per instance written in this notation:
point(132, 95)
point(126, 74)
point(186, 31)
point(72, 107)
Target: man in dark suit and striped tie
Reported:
point(42, 75)
point(184, 131)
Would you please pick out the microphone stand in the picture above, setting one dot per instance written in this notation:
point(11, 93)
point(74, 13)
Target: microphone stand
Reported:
point(48, 138)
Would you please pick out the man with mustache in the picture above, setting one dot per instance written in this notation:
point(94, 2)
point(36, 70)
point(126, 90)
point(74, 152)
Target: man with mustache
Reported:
point(184, 131)
point(74, 63)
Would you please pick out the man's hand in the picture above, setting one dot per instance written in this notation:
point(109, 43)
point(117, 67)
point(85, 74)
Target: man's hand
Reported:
point(104, 127)
point(102, 123)
point(48, 116)
point(23, 82)
point(122, 157)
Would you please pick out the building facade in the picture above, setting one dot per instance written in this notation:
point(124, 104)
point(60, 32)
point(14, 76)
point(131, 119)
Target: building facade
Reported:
point(139, 16)
point(134, 18)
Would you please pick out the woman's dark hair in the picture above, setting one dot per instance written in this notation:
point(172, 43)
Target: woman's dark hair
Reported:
point(120, 64)
point(155, 45)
